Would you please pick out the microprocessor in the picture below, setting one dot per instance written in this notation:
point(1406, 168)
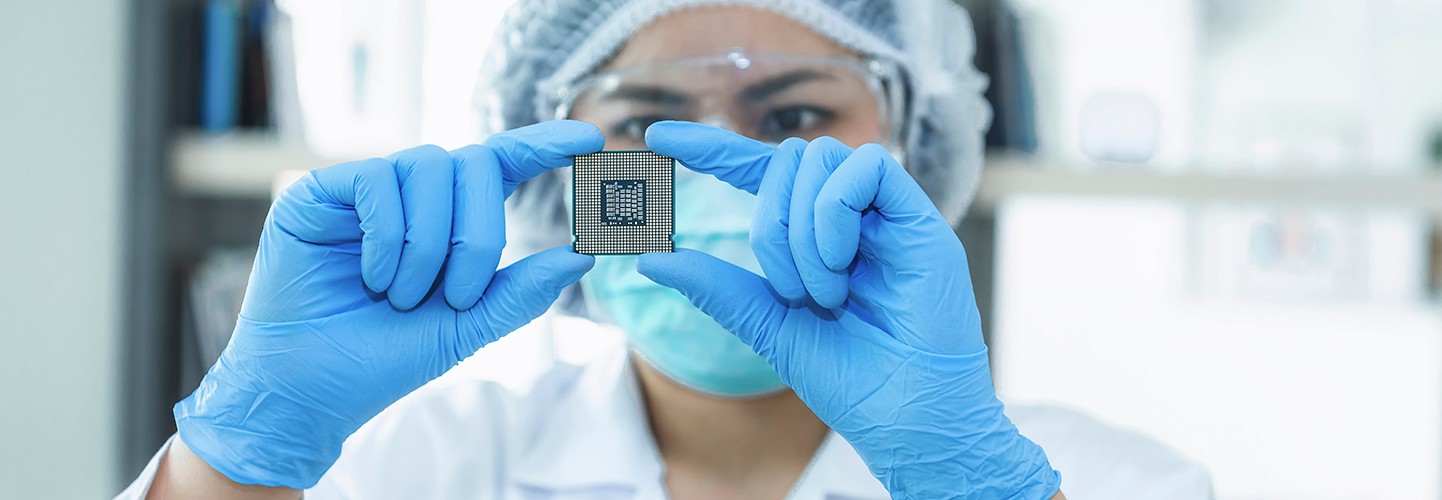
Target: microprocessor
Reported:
point(622, 203)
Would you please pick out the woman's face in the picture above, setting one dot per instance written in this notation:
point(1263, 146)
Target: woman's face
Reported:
point(766, 98)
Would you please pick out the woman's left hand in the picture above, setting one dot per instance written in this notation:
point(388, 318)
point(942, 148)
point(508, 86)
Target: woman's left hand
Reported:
point(868, 313)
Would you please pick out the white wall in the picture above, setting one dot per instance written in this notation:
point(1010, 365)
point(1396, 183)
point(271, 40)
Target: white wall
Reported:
point(61, 166)
point(1282, 392)
point(1084, 51)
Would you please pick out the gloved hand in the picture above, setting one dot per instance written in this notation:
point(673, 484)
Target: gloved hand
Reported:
point(339, 319)
point(868, 313)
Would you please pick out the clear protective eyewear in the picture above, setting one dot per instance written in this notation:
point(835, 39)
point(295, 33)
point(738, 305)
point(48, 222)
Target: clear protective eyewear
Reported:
point(768, 97)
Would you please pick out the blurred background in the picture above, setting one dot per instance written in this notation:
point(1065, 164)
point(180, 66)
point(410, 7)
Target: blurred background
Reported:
point(1217, 222)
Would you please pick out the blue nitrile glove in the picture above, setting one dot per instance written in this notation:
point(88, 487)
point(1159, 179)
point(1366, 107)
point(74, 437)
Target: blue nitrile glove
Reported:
point(339, 319)
point(868, 314)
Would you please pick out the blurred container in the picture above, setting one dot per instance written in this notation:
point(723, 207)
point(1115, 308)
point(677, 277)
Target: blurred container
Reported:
point(358, 72)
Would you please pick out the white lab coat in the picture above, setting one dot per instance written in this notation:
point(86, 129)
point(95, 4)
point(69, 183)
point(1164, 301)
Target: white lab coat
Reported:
point(580, 432)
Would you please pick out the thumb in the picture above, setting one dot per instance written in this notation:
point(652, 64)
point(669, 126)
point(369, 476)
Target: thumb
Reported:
point(739, 300)
point(518, 294)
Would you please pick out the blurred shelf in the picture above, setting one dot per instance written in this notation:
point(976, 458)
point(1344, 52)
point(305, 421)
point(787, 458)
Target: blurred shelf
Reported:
point(245, 164)
point(1005, 178)
point(241, 164)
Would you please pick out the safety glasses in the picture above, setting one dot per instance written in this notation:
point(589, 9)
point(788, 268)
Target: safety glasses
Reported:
point(765, 96)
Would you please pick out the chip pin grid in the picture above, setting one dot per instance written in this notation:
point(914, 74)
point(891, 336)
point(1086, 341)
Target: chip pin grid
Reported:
point(622, 203)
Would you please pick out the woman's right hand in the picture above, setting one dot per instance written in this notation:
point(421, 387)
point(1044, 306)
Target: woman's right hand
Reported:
point(371, 279)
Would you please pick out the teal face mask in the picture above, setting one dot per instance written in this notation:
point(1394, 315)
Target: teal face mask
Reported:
point(662, 326)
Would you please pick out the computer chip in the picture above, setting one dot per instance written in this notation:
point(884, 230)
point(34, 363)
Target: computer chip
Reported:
point(622, 202)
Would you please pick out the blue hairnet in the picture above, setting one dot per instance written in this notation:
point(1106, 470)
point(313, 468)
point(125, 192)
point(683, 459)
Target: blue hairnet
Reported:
point(545, 44)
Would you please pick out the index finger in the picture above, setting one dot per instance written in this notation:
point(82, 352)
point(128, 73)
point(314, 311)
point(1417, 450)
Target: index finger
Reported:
point(526, 152)
point(734, 158)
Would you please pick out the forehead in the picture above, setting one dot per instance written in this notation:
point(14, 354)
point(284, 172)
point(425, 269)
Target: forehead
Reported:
point(703, 31)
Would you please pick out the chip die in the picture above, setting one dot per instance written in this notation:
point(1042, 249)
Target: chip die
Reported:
point(622, 202)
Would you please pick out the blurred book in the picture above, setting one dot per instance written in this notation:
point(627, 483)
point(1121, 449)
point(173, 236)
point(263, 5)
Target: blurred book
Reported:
point(220, 66)
point(1435, 280)
point(255, 80)
point(1001, 54)
point(284, 97)
point(247, 75)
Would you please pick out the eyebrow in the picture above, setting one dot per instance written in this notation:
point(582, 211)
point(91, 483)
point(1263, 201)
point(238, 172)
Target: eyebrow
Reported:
point(756, 92)
point(649, 94)
point(766, 88)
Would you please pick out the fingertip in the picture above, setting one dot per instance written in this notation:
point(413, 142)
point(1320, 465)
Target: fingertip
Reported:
point(469, 270)
point(377, 280)
point(830, 297)
point(465, 283)
point(792, 292)
point(522, 291)
point(826, 287)
point(568, 265)
point(778, 267)
point(793, 144)
point(828, 142)
point(838, 231)
point(587, 136)
point(683, 269)
point(371, 187)
point(739, 300)
point(835, 257)
point(525, 152)
point(463, 297)
point(872, 148)
point(658, 135)
point(412, 284)
point(472, 153)
point(677, 139)
point(381, 256)
point(658, 266)
point(417, 154)
point(402, 300)
point(478, 227)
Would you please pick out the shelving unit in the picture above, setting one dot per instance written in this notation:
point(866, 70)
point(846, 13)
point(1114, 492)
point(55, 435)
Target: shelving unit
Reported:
point(196, 194)
point(1005, 178)
point(245, 165)
point(240, 164)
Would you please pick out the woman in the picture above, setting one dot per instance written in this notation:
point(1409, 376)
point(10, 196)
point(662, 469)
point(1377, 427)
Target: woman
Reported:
point(854, 369)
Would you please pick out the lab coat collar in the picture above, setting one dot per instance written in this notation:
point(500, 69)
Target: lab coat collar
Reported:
point(599, 437)
point(837, 472)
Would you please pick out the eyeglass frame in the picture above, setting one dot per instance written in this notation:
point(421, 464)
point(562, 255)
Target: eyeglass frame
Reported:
point(886, 79)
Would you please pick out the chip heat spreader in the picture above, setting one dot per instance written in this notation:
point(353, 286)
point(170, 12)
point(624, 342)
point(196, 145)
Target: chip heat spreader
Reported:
point(622, 202)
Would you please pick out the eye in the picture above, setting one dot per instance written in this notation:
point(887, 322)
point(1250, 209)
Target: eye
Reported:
point(633, 129)
point(794, 121)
